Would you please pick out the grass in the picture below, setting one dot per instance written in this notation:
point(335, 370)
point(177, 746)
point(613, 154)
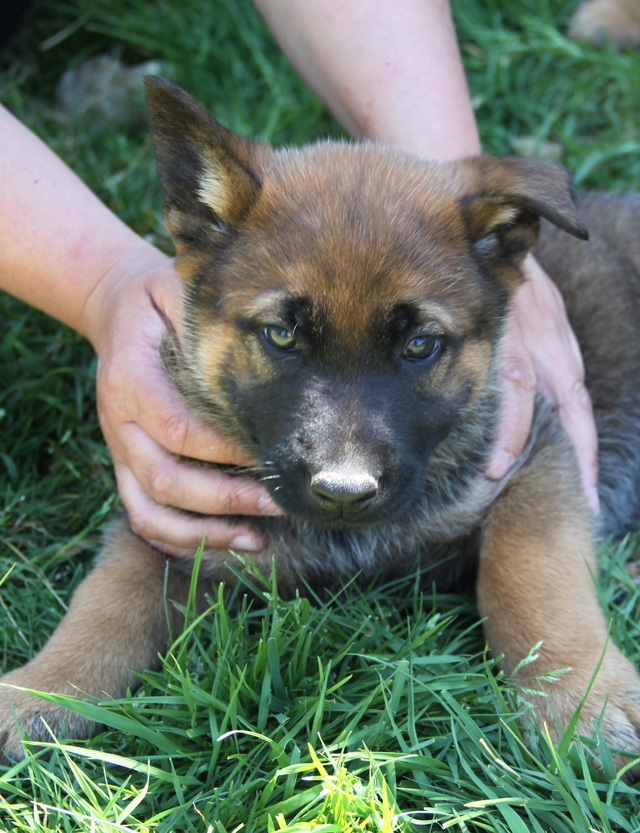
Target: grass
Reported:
point(380, 714)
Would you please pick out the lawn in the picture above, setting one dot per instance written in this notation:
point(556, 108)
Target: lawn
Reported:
point(376, 711)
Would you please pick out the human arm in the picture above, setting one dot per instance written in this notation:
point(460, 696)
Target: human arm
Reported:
point(392, 72)
point(387, 71)
point(69, 256)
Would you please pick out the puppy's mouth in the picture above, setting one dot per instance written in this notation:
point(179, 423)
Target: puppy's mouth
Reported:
point(341, 524)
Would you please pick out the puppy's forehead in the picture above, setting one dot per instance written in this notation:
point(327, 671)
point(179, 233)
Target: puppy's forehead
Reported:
point(356, 231)
point(361, 188)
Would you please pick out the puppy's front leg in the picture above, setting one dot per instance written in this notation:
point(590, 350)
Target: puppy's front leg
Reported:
point(116, 621)
point(536, 584)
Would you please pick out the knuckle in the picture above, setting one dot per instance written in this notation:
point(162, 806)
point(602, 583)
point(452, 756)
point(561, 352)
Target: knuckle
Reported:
point(161, 485)
point(520, 373)
point(575, 399)
point(580, 395)
point(140, 524)
point(175, 429)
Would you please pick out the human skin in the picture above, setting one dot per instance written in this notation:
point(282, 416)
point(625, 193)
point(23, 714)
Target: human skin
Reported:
point(391, 72)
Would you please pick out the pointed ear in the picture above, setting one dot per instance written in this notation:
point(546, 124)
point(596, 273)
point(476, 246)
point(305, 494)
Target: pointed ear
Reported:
point(504, 201)
point(205, 169)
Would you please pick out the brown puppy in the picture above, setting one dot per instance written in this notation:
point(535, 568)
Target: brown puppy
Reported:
point(343, 312)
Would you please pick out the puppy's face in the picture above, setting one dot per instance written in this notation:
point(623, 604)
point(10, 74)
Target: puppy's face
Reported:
point(343, 302)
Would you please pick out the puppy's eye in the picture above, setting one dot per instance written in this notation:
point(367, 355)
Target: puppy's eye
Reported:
point(422, 348)
point(280, 338)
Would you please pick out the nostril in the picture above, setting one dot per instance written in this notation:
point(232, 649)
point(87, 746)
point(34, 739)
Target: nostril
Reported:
point(343, 493)
point(321, 494)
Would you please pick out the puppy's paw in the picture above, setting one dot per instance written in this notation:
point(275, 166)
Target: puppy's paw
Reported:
point(24, 716)
point(613, 703)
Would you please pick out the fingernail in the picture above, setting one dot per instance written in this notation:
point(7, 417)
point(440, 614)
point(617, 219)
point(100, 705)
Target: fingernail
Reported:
point(267, 506)
point(500, 464)
point(246, 543)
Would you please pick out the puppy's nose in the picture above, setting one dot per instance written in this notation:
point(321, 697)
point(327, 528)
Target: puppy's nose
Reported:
point(343, 493)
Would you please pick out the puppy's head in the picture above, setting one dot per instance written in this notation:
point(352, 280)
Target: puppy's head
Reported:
point(343, 304)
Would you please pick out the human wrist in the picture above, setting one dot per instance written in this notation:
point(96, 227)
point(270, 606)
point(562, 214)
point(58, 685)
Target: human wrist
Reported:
point(137, 275)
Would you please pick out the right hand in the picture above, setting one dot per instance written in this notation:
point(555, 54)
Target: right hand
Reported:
point(148, 427)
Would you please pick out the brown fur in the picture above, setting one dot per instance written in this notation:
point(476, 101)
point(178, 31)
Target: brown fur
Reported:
point(617, 21)
point(356, 259)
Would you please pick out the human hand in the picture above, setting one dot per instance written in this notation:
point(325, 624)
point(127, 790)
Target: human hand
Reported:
point(147, 426)
point(540, 352)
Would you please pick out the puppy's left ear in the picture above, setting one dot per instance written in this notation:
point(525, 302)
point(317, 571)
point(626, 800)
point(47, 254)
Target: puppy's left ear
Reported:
point(207, 172)
point(503, 201)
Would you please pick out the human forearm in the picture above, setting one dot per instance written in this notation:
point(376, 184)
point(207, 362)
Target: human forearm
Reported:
point(389, 71)
point(60, 240)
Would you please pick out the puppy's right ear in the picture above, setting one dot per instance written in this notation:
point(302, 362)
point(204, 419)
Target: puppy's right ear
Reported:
point(205, 170)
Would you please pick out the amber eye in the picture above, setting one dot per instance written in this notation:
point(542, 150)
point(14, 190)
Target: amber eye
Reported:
point(280, 338)
point(422, 348)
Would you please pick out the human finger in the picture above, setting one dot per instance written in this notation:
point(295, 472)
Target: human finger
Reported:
point(170, 481)
point(178, 533)
point(575, 410)
point(518, 381)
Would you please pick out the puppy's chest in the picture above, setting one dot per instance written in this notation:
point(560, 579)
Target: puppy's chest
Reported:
point(334, 559)
point(443, 546)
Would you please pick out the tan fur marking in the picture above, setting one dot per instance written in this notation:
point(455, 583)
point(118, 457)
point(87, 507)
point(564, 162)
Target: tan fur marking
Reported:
point(536, 584)
point(114, 624)
point(214, 189)
point(504, 215)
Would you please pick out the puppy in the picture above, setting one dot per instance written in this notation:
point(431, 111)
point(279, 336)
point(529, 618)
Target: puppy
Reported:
point(344, 305)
